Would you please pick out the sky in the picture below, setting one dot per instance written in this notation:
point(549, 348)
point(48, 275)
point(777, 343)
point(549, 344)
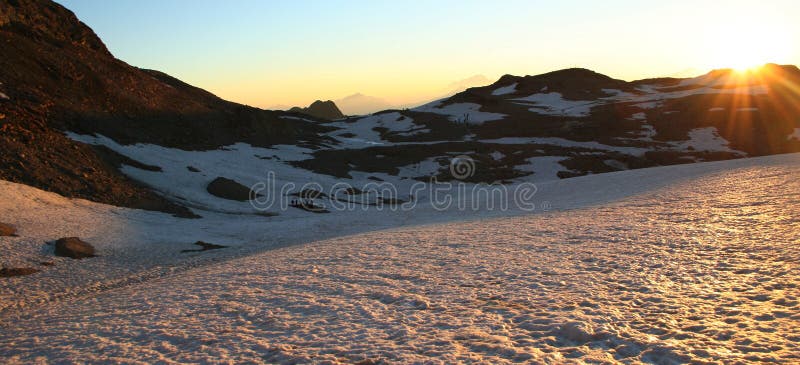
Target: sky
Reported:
point(292, 52)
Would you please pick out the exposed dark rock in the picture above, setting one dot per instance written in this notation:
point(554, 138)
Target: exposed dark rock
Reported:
point(308, 205)
point(309, 193)
point(73, 247)
point(117, 160)
point(7, 230)
point(192, 169)
point(204, 246)
point(321, 109)
point(228, 189)
point(266, 214)
point(17, 271)
point(59, 76)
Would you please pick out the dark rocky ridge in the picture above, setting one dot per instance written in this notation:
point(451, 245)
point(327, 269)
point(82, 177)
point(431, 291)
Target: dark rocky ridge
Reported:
point(759, 133)
point(656, 116)
point(320, 109)
point(59, 76)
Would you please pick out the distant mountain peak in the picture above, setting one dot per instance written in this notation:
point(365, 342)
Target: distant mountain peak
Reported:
point(321, 109)
point(359, 104)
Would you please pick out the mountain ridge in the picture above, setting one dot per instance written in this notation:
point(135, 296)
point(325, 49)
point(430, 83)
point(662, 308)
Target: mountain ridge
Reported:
point(57, 75)
point(321, 109)
point(71, 115)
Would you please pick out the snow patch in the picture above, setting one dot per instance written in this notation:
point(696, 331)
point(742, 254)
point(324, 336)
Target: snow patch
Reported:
point(619, 165)
point(639, 116)
point(497, 155)
point(705, 139)
point(427, 167)
point(461, 112)
point(617, 92)
point(648, 132)
point(365, 135)
point(510, 89)
point(544, 168)
point(648, 105)
point(291, 117)
point(554, 104)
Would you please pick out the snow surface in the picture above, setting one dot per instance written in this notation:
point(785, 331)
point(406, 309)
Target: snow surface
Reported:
point(427, 167)
point(554, 104)
point(616, 92)
point(510, 89)
point(695, 263)
point(556, 141)
point(363, 129)
point(639, 116)
point(655, 97)
point(459, 111)
point(291, 117)
point(706, 139)
point(647, 133)
point(544, 168)
point(497, 155)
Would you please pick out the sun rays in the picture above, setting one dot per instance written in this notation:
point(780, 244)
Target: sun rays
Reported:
point(760, 100)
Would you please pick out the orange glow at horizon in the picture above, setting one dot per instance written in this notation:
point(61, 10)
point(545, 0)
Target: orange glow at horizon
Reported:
point(746, 44)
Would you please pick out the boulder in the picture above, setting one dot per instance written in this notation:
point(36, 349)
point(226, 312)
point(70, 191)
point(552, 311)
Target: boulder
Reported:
point(204, 246)
point(7, 230)
point(74, 248)
point(17, 271)
point(228, 189)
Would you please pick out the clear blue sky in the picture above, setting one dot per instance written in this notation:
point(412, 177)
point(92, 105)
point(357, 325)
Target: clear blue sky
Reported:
point(264, 53)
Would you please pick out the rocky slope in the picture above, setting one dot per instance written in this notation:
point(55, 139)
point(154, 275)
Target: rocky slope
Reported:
point(578, 122)
point(72, 117)
point(57, 75)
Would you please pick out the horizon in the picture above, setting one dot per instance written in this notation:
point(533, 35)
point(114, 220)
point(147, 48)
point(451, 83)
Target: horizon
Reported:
point(282, 55)
point(626, 192)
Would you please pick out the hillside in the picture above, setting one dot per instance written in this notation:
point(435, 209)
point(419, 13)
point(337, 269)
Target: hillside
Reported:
point(565, 217)
point(57, 75)
point(73, 117)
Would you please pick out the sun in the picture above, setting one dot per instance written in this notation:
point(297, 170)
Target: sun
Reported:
point(747, 47)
